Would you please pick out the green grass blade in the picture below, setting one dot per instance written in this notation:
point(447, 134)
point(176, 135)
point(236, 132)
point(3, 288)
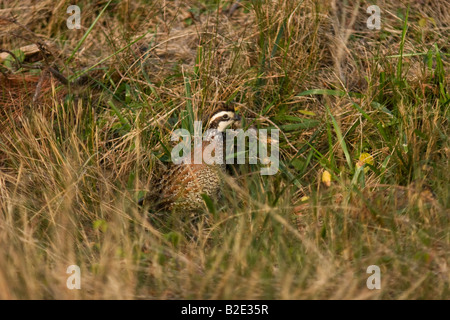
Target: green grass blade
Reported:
point(402, 46)
point(87, 33)
point(341, 140)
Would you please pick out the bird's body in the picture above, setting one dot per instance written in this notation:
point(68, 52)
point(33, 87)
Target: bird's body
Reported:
point(180, 188)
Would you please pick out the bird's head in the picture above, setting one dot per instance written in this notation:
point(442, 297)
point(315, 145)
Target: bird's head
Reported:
point(222, 118)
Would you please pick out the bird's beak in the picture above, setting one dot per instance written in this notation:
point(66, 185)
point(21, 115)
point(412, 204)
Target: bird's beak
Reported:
point(237, 117)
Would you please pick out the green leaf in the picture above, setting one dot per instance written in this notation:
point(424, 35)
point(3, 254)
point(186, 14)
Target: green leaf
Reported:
point(306, 112)
point(122, 119)
point(209, 203)
point(289, 118)
point(10, 62)
point(190, 111)
point(173, 237)
point(305, 124)
point(101, 225)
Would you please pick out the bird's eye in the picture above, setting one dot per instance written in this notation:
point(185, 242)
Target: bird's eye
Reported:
point(225, 117)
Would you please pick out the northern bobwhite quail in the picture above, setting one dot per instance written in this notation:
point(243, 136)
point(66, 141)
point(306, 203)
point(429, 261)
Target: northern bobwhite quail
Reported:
point(181, 186)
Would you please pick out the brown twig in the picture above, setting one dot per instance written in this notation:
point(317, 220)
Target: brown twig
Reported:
point(59, 76)
point(229, 12)
point(38, 90)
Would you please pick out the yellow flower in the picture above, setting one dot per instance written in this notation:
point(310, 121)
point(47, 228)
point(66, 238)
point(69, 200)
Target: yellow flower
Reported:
point(365, 158)
point(326, 178)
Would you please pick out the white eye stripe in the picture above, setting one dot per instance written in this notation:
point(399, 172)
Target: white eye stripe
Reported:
point(223, 125)
point(221, 114)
